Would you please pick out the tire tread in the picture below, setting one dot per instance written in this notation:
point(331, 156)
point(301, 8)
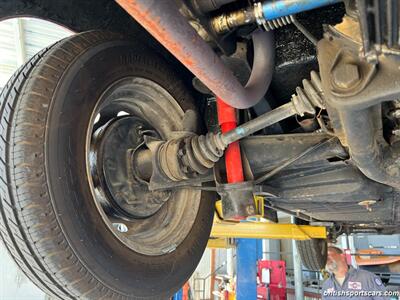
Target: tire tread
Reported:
point(28, 226)
point(310, 254)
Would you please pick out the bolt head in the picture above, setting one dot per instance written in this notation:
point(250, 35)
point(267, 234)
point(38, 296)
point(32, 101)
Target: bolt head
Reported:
point(393, 170)
point(250, 210)
point(346, 76)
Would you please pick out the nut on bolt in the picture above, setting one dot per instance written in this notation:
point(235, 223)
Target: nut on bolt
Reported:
point(346, 75)
point(393, 170)
point(250, 210)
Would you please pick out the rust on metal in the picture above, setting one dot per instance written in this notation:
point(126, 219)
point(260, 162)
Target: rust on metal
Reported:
point(153, 25)
point(164, 22)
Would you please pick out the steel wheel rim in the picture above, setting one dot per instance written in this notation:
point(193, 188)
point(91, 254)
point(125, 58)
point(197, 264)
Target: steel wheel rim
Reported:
point(164, 231)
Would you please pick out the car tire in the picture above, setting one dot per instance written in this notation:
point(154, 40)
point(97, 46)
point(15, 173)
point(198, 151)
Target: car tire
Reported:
point(314, 252)
point(51, 222)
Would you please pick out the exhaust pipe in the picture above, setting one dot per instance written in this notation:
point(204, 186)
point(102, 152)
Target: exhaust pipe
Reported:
point(164, 22)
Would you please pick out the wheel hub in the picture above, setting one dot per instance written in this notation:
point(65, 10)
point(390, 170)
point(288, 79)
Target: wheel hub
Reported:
point(126, 194)
point(119, 167)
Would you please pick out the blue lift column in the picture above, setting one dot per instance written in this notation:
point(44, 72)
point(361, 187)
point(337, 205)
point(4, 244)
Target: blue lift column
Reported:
point(246, 269)
point(178, 295)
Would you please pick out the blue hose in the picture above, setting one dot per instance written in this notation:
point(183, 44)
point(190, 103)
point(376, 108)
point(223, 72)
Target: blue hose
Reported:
point(274, 9)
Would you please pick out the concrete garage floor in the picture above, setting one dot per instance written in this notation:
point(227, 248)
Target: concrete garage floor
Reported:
point(14, 285)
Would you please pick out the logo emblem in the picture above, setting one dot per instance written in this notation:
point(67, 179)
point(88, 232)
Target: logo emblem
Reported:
point(378, 281)
point(355, 285)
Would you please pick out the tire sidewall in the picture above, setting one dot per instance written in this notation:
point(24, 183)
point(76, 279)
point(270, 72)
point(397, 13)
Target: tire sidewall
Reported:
point(70, 110)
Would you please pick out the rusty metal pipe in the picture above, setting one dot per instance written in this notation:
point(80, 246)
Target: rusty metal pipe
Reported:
point(164, 22)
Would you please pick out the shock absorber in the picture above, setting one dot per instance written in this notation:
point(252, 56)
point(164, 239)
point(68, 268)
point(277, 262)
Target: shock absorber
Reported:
point(233, 158)
point(238, 206)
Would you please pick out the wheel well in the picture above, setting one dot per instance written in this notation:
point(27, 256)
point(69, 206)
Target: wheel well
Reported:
point(104, 14)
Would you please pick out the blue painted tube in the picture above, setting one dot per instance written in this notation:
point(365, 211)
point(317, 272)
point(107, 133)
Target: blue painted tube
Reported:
point(274, 9)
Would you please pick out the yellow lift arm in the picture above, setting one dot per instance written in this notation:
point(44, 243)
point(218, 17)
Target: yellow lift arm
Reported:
point(223, 230)
point(262, 230)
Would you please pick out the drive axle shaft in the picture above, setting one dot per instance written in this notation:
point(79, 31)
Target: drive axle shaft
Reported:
point(194, 155)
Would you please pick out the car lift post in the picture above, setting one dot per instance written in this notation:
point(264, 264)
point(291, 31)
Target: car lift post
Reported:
point(298, 272)
point(178, 295)
point(248, 235)
point(246, 268)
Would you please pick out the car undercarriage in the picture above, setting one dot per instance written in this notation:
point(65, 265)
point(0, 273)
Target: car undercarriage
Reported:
point(157, 108)
point(349, 107)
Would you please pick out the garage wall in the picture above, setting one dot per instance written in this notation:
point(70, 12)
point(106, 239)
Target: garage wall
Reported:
point(20, 40)
point(389, 244)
